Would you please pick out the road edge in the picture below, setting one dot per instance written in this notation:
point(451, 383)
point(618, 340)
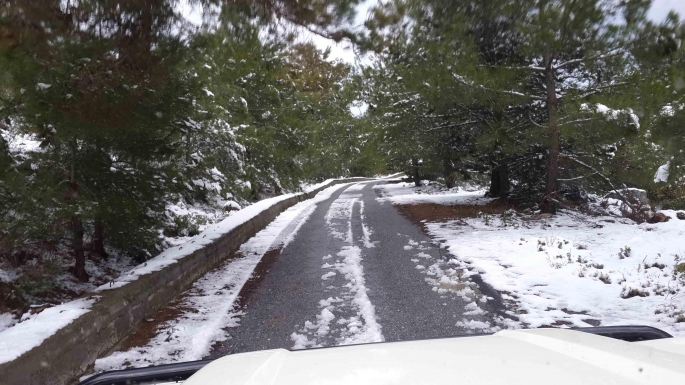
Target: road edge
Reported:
point(69, 353)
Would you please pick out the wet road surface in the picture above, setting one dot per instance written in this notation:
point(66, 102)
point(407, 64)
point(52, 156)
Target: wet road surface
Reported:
point(356, 272)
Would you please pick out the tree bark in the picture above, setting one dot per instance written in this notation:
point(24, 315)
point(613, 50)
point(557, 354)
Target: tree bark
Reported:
point(79, 270)
point(499, 182)
point(417, 177)
point(549, 205)
point(77, 246)
point(98, 245)
point(449, 170)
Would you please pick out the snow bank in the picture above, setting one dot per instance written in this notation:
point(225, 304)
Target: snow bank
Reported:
point(34, 328)
point(576, 270)
point(311, 187)
point(407, 194)
point(211, 234)
point(211, 305)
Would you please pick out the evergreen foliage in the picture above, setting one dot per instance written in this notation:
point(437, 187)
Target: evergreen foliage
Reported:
point(128, 109)
point(135, 109)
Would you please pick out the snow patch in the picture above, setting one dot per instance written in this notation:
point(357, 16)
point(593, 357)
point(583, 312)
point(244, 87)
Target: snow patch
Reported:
point(569, 270)
point(662, 173)
point(213, 299)
point(33, 329)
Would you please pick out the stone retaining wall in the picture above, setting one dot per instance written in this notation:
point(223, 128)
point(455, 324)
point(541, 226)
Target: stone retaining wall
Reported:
point(69, 353)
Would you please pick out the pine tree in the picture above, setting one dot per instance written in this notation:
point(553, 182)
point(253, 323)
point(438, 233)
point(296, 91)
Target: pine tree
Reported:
point(98, 84)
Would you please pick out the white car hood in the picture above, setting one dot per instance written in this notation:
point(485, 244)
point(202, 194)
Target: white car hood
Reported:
point(540, 356)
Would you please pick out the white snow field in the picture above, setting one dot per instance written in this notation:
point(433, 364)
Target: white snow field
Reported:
point(212, 303)
point(405, 193)
point(570, 270)
point(34, 328)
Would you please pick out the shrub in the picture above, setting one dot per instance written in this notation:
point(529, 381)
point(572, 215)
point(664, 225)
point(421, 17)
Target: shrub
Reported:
point(633, 292)
point(670, 197)
point(624, 252)
point(185, 225)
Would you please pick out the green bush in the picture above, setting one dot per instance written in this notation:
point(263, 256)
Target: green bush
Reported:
point(670, 198)
point(185, 225)
point(38, 278)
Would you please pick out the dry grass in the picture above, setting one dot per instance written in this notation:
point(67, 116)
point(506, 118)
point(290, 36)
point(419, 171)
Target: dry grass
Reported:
point(432, 212)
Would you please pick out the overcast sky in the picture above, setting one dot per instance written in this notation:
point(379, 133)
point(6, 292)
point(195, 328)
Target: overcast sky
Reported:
point(660, 8)
point(343, 50)
point(658, 12)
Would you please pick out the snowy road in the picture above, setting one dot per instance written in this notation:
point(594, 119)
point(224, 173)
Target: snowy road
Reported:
point(345, 267)
point(356, 271)
point(342, 268)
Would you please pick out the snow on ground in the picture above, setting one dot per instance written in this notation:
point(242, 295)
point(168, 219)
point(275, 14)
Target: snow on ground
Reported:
point(209, 235)
point(356, 316)
point(65, 284)
point(405, 193)
point(568, 270)
point(7, 320)
point(34, 328)
point(311, 187)
point(211, 304)
point(574, 270)
point(450, 280)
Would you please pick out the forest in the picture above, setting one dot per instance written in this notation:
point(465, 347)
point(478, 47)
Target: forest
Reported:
point(125, 127)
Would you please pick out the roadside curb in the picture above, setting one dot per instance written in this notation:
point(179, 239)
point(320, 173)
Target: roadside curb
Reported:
point(66, 355)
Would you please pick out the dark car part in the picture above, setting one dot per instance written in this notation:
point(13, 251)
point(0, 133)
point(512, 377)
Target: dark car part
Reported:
point(182, 371)
point(627, 333)
point(151, 374)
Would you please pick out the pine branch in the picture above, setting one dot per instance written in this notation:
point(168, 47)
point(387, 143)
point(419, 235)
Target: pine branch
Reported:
point(530, 67)
point(606, 179)
point(534, 123)
point(513, 93)
point(451, 125)
point(577, 121)
point(599, 89)
point(576, 178)
point(595, 57)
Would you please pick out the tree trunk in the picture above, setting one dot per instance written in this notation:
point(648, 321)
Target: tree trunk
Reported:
point(499, 182)
point(77, 247)
point(449, 170)
point(98, 245)
point(79, 270)
point(417, 177)
point(549, 204)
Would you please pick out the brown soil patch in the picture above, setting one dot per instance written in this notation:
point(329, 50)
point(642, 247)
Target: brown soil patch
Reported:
point(433, 212)
point(260, 272)
point(148, 328)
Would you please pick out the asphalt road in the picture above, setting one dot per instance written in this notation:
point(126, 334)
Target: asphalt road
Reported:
point(357, 271)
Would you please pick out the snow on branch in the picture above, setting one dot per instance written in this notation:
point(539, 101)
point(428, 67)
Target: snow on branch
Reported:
point(530, 67)
point(513, 93)
point(452, 125)
point(606, 179)
point(595, 57)
point(597, 90)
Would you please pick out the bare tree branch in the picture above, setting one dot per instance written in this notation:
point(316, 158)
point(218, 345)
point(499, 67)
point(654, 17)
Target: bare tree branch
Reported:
point(594, 57)
point(532, 121)
point(576, 178)
point(606, 179)
point(513, 93)
point(530, 67)
point(599, 89)
point(577, 121)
